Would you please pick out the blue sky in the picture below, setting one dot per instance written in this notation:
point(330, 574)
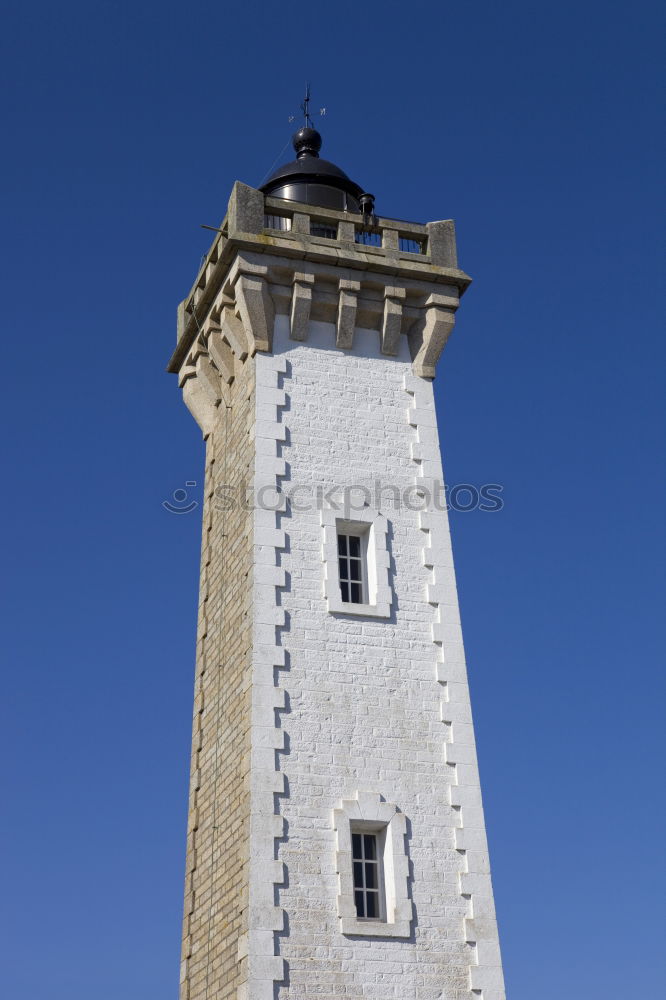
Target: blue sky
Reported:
point(534, 127)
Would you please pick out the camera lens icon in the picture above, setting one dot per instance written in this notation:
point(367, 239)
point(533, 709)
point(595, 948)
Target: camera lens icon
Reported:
point(178, 503)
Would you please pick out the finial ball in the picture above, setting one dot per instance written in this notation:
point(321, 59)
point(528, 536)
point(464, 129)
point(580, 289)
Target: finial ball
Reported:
point(307, 142)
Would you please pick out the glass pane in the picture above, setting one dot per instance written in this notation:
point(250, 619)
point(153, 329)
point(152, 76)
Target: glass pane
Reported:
point(356, 845)
point(370, 845)
point(342, 545)
point(344, 587)
point(408, 245)
point(358, 875)
point(356, 593)
point(354, 569)
point(371, 903)
point(342, 563)
point(358, 899)
point(368, 239)
point(370, 875)
point(354, 545)
point(321, 229)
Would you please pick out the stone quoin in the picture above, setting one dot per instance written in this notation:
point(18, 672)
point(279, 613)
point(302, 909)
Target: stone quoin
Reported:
point(336, 843)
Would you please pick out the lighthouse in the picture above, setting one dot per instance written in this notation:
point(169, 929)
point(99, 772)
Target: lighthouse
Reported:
point(336, 843)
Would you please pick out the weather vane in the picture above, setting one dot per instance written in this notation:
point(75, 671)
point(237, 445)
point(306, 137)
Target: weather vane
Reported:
point(305, 108)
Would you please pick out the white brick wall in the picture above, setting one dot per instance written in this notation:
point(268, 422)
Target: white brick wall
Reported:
point(372, 705)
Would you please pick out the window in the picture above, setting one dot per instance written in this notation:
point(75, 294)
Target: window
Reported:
point(356, 562)
point(282, 222)
point(408, 245)
point(352, 568)
point(372, 867)
point(368, 876)
point(368, 239)
point(322, 229)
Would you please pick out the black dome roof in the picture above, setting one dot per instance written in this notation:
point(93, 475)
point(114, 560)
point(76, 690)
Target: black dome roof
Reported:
point(311, 180)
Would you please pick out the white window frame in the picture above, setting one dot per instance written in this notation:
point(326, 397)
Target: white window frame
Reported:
point(373, 529)
point(367, 811)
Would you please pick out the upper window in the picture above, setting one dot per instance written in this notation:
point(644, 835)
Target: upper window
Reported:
point(352, 549)
point(356, 562)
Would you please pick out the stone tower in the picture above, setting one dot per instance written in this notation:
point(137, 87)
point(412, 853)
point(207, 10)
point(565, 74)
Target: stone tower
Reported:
point(336, 843)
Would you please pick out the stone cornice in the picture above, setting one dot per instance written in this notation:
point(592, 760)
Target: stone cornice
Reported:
point(249, 266)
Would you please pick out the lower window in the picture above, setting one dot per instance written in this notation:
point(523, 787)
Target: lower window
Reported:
point(368, 876)
point(372, 867)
